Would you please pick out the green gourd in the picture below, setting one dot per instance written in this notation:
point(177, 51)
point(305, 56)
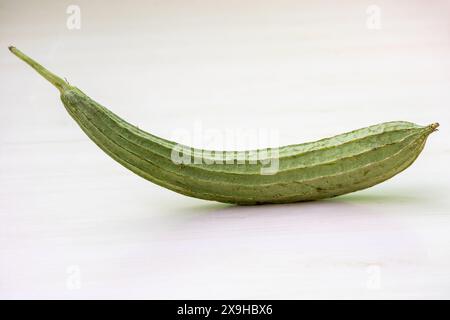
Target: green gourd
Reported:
point(310, 171)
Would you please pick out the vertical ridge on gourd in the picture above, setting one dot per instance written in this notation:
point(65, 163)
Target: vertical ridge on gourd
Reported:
point(315, 170)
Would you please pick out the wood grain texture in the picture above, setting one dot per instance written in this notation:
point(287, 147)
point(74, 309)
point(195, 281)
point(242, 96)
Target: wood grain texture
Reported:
point(76, 225)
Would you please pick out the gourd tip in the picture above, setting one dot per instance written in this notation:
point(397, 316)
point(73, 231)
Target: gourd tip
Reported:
point(11, 48)
point(435, 125)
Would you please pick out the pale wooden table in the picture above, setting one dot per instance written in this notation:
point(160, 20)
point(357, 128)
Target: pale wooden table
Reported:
point(74, 224)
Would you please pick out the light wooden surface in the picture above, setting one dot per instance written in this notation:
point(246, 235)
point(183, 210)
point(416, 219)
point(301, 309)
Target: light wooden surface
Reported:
point(74, 224)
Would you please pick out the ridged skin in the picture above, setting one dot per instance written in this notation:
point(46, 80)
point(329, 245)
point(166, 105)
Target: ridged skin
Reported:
point(326, 168)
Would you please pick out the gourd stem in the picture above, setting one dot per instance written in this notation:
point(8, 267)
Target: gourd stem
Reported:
point(51, 77)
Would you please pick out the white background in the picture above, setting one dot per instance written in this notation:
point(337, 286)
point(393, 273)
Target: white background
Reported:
point(75, 224)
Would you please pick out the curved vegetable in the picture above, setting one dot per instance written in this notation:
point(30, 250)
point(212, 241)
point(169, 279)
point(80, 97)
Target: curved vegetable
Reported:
point(326, 168)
